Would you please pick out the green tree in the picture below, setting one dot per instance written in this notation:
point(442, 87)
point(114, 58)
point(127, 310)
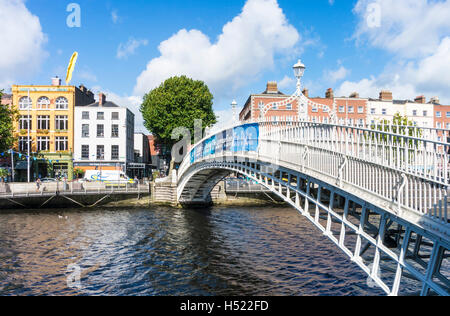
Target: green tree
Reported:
point(7, 117)
point(177, 103)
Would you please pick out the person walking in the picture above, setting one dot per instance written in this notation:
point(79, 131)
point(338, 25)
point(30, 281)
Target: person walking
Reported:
point(38, 184)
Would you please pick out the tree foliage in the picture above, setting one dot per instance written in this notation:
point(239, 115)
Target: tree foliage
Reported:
point(7, 117)
point(177, 103)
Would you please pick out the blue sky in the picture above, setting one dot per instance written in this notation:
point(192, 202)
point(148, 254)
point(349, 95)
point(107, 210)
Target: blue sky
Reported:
point(236, 46)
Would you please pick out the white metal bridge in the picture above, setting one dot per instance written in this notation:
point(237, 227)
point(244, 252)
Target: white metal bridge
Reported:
point(380, 196)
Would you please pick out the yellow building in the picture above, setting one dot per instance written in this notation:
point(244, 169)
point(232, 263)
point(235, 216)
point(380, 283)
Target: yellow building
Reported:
point(46, 113)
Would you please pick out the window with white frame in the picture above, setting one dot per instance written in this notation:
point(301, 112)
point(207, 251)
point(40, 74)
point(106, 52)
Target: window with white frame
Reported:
point(85, 115)
point(114, 152)
point(114, 131)
point(100, 130)
point(115, 116)
point(85, 130)
point(314, 109)
point(425, 113)
point(360, 109)
point(289, 106)
point(438, 125)
point(23, 143)
point(43, 122)
point(25, 103)
point(351, 109)
point(341, 109)
point(438, 114)
point(100, 152)
point(61, 143)
point(384, 111)
point(25, 122)
point(100, 115)
point(61, 103)
point(61, 123)
point(43, 103)
point(414, 112)
point(43, 143)
point(448, 114)
point(85, 152)
point(448, 126)
point(373, 111)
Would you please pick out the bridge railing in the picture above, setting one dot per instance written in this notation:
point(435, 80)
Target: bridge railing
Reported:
point(18, 190)
point(408, 167)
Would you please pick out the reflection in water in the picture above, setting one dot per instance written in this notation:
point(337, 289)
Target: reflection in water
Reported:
point(163, 251)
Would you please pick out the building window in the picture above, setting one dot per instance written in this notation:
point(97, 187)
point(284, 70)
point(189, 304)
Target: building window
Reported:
point(326, 109)
point(62, 103)
point(43, 143)
point(314, 109)
point(61, 143)
point(448, 126)
point(373, 111)
point(115, 116)
point(341, 109)
point(448, 115)
point(425, 113)
point(100, 152)
point(100, 130)
point(275, 106)
point(85, 130)
point(438, 114)
point(383, 111)
point(115, 131)
point(100, 115)
point(414, 112)
point(43, 122)
point(114, 152)
point(360, 109)
point(85, 115)
point(438, 125)
point(25, 103)
point(61, 123)
point(289, 106)
point(43, 103)
point(351, 109)
point(25, 122)
point(361, 122)
point(23, 143)
point(85, 152)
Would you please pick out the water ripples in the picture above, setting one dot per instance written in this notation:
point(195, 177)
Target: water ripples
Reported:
point(163, 251)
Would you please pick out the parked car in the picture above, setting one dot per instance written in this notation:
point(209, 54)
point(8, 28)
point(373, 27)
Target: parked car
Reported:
point(48, 180)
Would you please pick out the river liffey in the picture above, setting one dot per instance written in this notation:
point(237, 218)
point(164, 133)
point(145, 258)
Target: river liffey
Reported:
point(164, 251)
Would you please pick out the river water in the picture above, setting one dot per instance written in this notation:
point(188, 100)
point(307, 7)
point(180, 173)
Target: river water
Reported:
point(164, 251)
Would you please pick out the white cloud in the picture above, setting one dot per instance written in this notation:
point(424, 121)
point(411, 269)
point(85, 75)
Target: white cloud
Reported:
point(129, 48)
point(246, 48)
point(336, 75)
point(287, 83)
point(409, 28)
point(22, 42)
point(417, 34)
point(114, 16)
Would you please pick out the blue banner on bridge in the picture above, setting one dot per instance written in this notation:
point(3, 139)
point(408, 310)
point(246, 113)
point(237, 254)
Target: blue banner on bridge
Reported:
point(243, 138)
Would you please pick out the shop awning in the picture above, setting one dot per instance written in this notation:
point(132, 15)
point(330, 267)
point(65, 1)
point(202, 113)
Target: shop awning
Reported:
point(22, 165)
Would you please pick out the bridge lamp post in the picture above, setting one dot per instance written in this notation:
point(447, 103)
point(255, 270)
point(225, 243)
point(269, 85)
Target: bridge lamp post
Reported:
point(299, 70)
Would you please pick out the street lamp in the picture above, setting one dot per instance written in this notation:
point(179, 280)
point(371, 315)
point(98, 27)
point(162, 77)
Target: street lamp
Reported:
point(299, 70)
point(234, 108)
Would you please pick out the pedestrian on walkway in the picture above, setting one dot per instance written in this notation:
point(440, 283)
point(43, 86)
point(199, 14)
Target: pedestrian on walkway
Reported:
point(38, 184)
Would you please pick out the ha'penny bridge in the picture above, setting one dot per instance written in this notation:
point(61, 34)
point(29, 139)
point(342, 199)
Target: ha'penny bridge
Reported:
point(380, 196)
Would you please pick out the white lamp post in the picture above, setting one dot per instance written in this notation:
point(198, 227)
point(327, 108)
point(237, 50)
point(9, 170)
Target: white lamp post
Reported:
point(299, 70)
point(234, 108)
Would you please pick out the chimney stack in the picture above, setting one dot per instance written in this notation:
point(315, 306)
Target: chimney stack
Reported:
point(272, 87)
point(101, 99)
point(56, 81)
point(435, 100)
point(354, 95)
point(306, 92)
point(386, 95)
point(420, 99)
point(329, 94)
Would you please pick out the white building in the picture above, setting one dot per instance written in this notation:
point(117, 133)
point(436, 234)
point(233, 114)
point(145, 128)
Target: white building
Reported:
point(385, 108)
point(103, 136)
